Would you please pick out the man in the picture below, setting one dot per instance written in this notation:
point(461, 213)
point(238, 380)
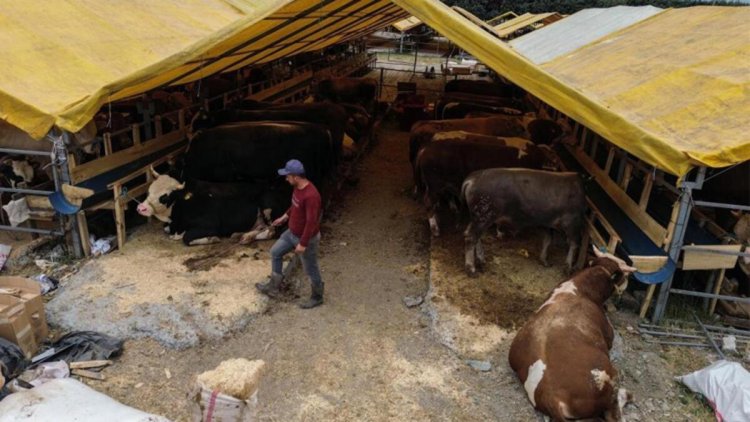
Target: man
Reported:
point(303, 235)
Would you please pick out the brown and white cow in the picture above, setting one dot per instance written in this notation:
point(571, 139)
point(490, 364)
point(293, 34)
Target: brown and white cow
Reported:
point(520, 198)
point(561, 354)
point(538, 131)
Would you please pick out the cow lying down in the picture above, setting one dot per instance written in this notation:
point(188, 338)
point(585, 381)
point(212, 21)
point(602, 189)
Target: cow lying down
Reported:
point(202, 216)
point(561, 354)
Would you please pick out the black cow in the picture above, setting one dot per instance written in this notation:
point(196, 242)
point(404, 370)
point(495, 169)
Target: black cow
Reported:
point(442, 165)
point(331, 116)
point(202, 212)
point(255, 151)
point(361, 91)
point(523, 198)
point(489, 88)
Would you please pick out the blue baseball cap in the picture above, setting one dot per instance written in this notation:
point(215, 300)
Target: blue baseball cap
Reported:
point(294, 167)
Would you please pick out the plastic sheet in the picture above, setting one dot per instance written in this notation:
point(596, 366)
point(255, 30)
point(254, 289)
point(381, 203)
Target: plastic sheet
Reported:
point(727, 386)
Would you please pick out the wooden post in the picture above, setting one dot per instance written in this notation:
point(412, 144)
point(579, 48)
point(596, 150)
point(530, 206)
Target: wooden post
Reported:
point(136, 134)
point(647, 301)
point(646, 193)
point(610, 160)
point(717, 289)
point(84, 232)
point(181, 118)
point(119, 216)
point(627, 174)
point(107, 143)
point(158, 126)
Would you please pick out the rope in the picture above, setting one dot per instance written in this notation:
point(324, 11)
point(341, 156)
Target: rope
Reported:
point(721, 172)
point(124, 193)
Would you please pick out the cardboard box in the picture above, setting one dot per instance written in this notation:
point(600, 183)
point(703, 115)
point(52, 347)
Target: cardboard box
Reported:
point(30, 293)
point(15, 325)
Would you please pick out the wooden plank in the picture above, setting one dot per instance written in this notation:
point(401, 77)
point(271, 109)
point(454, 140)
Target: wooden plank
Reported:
point(136, 133)
point(83, 228)
point(648, 264)
point(266, 93)
point(646, 192)
point(88, 374)
point(89, 364)
point(146, 169)
point(158, 126)
point(610, 159)
point(647, 301)
point(119, 216)
point(645, 222)
point(717, 289)
point(627, 174)
point(102, 165)
point(107, 143)
point(695, 259)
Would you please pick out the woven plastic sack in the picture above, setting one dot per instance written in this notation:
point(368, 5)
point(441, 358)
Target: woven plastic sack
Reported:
point(212, 406)
point(726, 385)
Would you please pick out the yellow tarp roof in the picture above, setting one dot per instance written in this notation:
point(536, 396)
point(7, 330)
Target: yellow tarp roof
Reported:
point(407, 24)
point(63, 59)
point(673, 90)
point(508, 27)
point(505, 16)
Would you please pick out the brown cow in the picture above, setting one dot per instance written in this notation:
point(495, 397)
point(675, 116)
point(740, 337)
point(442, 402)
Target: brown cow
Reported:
point(514, 126)
point(523, 198)
point(443, 164)
point(561, 354)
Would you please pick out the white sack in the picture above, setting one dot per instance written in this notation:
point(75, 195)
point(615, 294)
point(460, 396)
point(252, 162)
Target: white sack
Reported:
point(727, 386)
point(67, 400)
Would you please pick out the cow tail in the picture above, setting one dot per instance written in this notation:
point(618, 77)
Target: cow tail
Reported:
point(463, 205)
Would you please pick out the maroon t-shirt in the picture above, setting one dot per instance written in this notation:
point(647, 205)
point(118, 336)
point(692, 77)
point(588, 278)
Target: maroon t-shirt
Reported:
point(304, 215)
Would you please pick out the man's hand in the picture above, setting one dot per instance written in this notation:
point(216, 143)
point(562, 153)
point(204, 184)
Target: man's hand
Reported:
point(279, 221)
point(300, 249)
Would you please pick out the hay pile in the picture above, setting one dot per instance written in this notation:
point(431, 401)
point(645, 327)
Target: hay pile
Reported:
point(238, 378)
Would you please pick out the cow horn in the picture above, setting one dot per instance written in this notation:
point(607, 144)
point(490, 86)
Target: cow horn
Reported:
point(154, 172)
point(181, 186)
point(736, 213)
point(597, 252)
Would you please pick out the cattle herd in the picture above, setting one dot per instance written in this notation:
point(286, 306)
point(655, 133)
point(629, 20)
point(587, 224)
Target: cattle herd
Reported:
point(226, 183)
point(492, 159)
point(487, 154)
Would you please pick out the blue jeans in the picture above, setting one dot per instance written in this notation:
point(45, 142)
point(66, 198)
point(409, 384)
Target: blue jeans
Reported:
point(286, 243)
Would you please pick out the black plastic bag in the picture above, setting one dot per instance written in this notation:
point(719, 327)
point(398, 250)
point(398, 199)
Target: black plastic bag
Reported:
point(86, 345)
point(12, 360)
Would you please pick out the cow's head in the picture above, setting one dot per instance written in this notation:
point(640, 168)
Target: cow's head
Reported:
point(616, 269)
point(162, 194)
point(544, 131)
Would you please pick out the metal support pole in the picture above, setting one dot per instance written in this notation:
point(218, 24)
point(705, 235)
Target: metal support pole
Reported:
point(416, 53)
point(65, 177)
point(675, 245)
point(401, 44)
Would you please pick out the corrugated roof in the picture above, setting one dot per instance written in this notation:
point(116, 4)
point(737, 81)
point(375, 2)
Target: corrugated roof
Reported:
point(673, 90)
point(578, 30)
point(509, 27)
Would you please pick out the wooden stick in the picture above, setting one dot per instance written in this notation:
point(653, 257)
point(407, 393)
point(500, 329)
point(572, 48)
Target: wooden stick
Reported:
point(89, 364)
point(88, 374)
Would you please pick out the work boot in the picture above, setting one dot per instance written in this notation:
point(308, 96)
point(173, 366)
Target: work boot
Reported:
point(316, 298)
point(272, 286)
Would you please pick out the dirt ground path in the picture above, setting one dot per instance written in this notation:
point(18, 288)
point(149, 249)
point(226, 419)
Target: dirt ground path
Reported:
point(363, 355)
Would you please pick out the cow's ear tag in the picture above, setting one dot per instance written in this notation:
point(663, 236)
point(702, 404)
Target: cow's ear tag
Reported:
point(188, 196)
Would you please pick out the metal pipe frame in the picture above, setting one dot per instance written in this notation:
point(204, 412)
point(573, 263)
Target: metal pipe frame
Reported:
point(678, 238)
point(24, 152)
point(26, 191)
point(65, 178)
point(722, 205)
point(711, 295)
point(31, 230)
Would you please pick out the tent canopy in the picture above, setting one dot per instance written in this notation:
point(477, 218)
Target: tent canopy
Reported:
point(407, 24)
point(63, 61)
point(672, 89)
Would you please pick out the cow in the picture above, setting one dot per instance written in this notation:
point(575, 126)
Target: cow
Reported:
point(488, 88)
point(518, 103)
point(18, 172)
point(253, 151)
point(443, 164)
point(561, 354)
point(204, 212)
point(362, 91)
point(459, 110)
point(513, 126)
point(522, 198)
point(330, 116)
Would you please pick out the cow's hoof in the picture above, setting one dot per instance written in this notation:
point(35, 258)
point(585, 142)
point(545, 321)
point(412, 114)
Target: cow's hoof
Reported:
point(545, 263)
point(176, 236)
point(471, 271)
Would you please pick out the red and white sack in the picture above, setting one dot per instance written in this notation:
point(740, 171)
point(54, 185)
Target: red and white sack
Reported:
point(228, 393)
